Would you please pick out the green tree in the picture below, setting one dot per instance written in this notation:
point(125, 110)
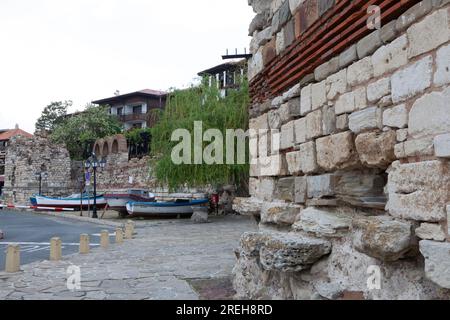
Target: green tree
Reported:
point(52, 116)
point(80, 131)
point(184, 107)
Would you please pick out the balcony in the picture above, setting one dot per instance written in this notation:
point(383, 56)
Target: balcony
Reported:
point(133, 117)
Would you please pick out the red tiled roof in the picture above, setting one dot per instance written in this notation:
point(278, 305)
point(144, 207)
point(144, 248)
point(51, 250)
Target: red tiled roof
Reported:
point(12, 133)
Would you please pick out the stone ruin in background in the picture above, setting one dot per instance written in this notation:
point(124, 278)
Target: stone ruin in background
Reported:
point(356, 202)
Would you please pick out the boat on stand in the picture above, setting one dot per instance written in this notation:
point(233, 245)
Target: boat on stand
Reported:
point(75, 201)
point(118, 201)
point(178, 208)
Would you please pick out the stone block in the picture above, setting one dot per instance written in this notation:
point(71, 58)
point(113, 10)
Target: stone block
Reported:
point(345, 103)
point(336, 151)
point(308, 159)
point(367, 45)
point(305, 100)
point(264, 144)
point(360, 71)
point(289, 33)
point(287, 136)
point(280, 44)
point(337, 84)
point(360, 98)
point(383, 238)
point(309, 13)
point(257, 24)
point(391, 56)
point(318, 95)
point(322, 186)
point(274, 120)
point(376, 150)
point(418, 191)
point(285, 13)
point(314, 124)
point(348, 56)
point(293, 162)
point(289, 110)
point(413, 14)
point(442, 145)
point(276, 26)
point(396, 117)
point(300, 190)
point(260, 123)
point(255, 65)
point(291, 252)
point(442, 74)
point(367, 119)
point(300, 130)
point(431, 231)
point(429, 33)
point(285, 189)
point(294, 5)
point(293, 92)
point(251, 243)
point(247, 206)
point(378, 89)
point(325, 5)
point(437, 262)
point(419, 147)
point(430, 115)
point(388, 32)
point(279, 213)
point(355, 185)
point(323, 223)
point(260, 39)
point(329, 120)
point(412, 80)
point(269, 51)
point(402, 135)
point(273, 166)
point(266, 189)
point(386, 101)
point(327, 68)
point(342, 122)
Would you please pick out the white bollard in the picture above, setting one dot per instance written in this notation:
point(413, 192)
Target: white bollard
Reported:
point(84, 244)
point(55, 249)
point(13, 259)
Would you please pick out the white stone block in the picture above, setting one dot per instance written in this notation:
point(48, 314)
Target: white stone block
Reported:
point(305, 100)
point(391, 56)
point(314, 126)
point(412, 80)
point(300, 130)
point(429, 33)
point(308, 159)
point(396, 117)
point(337, 83)
point(318, 95)
point(442, 145)
point(430, 115)
point(360, 98)
point(378, 89)
point(366, 119)
point(442, 75)
point(287, 135)
point(345, 103)
point(273, 166)
point(360, 71)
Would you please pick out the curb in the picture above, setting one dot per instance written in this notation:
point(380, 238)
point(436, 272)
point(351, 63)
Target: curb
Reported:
point(82, 219)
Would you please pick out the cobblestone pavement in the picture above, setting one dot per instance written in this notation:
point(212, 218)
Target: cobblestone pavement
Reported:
point(166, 260)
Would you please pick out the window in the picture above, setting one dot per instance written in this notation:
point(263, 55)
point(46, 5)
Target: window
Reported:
point(119, 111)
point(137, 110)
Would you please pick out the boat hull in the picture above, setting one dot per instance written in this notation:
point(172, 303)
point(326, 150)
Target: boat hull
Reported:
point(164, 208)
point(118, 202)
point(73, 203)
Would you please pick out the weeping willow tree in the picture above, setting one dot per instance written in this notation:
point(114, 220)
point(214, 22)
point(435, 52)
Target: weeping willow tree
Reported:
point(186, 107)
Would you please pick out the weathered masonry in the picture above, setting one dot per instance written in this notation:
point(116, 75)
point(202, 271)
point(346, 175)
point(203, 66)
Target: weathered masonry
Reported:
point(354, 200)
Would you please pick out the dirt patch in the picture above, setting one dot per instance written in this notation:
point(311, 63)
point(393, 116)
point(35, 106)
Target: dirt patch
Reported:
point(213, 289)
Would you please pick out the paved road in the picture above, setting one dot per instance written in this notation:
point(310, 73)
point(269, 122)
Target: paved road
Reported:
point(33, 232)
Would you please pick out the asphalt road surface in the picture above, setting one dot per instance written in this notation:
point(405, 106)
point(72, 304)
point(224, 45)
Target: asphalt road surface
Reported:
point(33, 233)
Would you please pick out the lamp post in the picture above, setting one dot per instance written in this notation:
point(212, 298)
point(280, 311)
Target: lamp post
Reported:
point(95, 163)
point(40, 175)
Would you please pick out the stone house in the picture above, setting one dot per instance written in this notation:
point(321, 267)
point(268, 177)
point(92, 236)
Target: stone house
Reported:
point(350, 174)
point(134, 109)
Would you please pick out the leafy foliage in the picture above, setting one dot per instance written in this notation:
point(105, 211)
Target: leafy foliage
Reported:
point(80, 131)
point(184, 107)
point(52, 116)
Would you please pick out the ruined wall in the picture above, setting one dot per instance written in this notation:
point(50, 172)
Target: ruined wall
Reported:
point(356, 178)
point(25, 158)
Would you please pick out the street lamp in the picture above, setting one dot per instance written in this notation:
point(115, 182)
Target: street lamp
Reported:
point(95, 163)
point(41, 175)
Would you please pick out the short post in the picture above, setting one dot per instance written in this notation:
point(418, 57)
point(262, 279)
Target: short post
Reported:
point(129, 230)
point(84, 244)
point(13, 259)
point(119, 236)
point(55, 249)
point(104, 239)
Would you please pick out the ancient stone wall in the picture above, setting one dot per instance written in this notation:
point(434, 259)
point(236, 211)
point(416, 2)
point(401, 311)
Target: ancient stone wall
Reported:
point(27, 157)
point(351, 175)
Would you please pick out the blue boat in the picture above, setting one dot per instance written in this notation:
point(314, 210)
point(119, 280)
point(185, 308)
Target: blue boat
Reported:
point(74, 201)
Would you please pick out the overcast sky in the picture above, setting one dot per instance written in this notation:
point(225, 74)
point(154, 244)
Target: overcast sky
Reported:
point(83, 50)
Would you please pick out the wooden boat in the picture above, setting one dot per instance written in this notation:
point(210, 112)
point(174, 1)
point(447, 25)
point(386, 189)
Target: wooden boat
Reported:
point(179, 207)
point(118, 201)
point(74, 201)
